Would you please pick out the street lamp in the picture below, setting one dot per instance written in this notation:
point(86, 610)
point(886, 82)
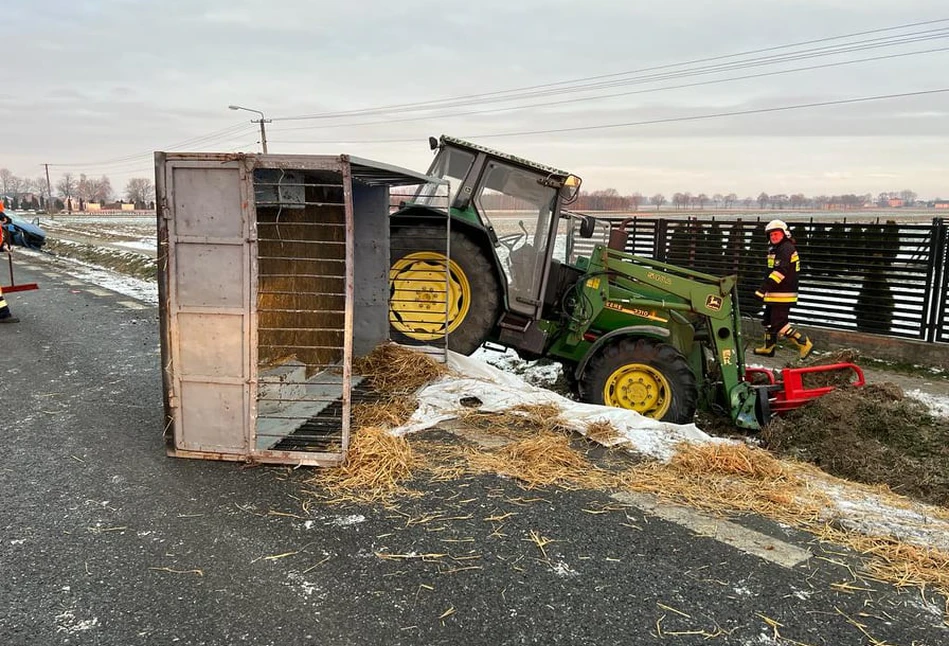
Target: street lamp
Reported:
point(261, 121)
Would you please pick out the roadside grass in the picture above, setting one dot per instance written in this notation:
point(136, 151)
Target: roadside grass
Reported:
point(128, 263)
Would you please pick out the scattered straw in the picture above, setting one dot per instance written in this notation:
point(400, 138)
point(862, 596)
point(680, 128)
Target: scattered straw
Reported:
point(394, 369)
point(602, 432)
point(729, 477)
point(543, 460)
point(375, 469)
point(389, 413)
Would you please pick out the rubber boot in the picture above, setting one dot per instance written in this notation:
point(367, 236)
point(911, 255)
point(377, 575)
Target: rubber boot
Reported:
point(767, 350)
point(798, 338)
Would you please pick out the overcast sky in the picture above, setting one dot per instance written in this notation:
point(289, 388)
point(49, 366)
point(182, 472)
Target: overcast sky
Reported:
point(101, 84)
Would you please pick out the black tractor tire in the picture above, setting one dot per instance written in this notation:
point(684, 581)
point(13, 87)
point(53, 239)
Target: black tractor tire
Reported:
point(477, 267)
point(656, 361)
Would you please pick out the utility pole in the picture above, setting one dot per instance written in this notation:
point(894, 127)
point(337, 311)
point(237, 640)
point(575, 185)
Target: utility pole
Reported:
point(261, 121)
point(49, 194)
point(263, 134)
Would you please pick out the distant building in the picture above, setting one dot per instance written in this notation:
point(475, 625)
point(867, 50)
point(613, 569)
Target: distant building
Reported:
point(894, 203)
point(941, 204)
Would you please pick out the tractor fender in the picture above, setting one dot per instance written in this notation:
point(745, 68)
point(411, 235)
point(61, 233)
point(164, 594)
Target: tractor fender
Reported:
point(478, 235)
point(629, 331)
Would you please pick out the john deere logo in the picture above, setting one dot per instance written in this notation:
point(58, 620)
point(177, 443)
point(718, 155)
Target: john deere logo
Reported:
point(713, 302)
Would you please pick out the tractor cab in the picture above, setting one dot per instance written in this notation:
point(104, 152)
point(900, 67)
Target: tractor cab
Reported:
point(511, 207)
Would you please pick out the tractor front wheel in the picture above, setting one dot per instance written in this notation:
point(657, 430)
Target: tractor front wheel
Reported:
point(643, 375)
point(424, 303)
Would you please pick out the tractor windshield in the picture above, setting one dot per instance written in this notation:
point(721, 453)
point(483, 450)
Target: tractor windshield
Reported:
point(451, 164)
point(519, 208)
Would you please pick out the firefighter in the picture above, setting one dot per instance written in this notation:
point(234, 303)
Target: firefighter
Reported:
point(779, 291)
point(5, 315)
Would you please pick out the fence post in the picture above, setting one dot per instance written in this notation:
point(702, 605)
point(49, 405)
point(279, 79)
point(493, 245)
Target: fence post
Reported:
point(659, 240)
point(935, 304)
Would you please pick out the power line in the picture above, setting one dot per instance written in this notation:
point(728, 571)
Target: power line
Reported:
point(714, 115)
point(228, 132)
point(547, 104)
point(498, 95)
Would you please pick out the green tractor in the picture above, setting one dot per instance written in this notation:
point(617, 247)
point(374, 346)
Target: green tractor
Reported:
point(629, 331)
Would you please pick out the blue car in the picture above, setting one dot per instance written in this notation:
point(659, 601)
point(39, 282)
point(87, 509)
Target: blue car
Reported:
point(23, 233)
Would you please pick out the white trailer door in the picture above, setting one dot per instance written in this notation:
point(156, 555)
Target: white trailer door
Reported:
point(206, 211)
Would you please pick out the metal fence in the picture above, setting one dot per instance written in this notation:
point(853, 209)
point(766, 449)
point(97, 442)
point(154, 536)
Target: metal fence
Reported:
point(882, 278)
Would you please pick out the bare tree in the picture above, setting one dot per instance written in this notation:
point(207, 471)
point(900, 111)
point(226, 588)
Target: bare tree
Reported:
point(763, 199)
point(94, 190)
point(730, 200)
point(702, 200)
point(140, 190)
point(718, 200)
point(5, 176)
point(67, 188)
point(635, 200)
point(13, 186)
point(658, 199)
point(908, 197)
point(103, 191)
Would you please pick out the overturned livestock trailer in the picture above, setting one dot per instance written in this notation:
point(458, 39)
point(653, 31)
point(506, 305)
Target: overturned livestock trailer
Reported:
point(273, 275)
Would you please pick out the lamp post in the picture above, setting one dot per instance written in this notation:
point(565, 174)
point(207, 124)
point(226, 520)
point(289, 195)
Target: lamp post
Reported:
point(261, 121)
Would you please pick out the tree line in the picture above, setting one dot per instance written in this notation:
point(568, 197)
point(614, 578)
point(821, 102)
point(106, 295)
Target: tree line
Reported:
point(611, 200)
point(71, 192)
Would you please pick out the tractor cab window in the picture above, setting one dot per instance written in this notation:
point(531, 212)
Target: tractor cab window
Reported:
point(519, 208)
point(452, 164)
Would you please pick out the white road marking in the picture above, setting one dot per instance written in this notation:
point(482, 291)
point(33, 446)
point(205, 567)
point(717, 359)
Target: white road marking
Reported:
point(133, 305)
point(74, 283)
point(746, 540)
point(99, 292)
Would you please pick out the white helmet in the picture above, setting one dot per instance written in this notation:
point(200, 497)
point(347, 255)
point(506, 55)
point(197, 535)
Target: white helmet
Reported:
point(776, 225)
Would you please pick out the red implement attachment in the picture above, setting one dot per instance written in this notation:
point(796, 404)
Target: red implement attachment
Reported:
point(788, 392)
point(13, 287)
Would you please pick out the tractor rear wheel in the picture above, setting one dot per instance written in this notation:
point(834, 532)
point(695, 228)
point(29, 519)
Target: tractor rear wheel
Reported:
point(418, 289)
point(643, 375)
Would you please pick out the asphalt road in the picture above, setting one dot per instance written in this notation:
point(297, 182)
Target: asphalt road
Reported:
point(104, 540)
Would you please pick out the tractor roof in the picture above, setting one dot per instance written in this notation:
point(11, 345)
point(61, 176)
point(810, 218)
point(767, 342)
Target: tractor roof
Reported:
point(548, 170)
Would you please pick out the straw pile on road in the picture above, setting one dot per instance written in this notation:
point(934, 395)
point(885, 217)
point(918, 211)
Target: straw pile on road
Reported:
point(396, 373)
point(376, 468)
point(393, 369)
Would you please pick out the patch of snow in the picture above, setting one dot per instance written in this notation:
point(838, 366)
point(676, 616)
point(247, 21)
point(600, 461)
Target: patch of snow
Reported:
point(562, 569)
point(67, 622)
point(307, 587)
point(868, 513)
point(499, 391)
point(938, 405)
point(143, 244)
point(143, 290)
point(343, 521)
point(542, 372)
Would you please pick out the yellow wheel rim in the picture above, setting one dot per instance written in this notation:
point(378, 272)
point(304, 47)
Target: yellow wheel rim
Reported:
point(638, 387)
point(418, 290)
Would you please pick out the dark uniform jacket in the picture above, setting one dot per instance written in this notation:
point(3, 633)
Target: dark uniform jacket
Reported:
point(780, 285)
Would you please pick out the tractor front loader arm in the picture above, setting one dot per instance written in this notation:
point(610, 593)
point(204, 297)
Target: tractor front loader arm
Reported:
point(618, 280)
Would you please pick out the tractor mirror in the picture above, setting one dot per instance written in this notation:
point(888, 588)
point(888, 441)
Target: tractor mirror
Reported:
point(432, 143)
point(587, 226)
point(571, 188)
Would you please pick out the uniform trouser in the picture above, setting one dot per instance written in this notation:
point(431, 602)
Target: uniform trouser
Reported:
point(775, 318)
point(4, 310)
